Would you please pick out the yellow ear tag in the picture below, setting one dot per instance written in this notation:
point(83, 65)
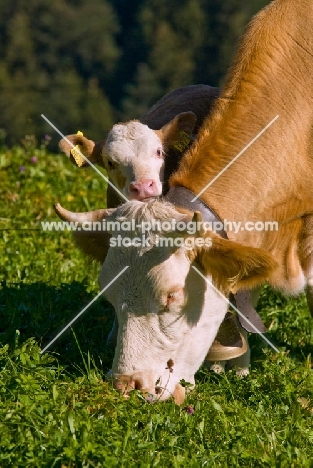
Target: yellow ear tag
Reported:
point(75, 153)
point(184, 140)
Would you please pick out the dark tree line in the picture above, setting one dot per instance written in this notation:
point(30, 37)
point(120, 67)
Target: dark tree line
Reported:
point(86, 64)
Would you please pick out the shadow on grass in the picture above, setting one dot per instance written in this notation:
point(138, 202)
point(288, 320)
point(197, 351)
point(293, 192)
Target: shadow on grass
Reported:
point(41, 311)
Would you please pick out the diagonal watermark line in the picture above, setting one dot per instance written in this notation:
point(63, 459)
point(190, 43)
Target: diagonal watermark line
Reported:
point(237, 310)
point(84, 157)
point(236, 157)
point(82, 311)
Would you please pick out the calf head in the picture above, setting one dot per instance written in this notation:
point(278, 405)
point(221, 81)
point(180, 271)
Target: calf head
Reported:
point(169, 302)
point(134, 155)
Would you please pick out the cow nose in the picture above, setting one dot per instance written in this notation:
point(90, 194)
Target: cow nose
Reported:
point(142, 189)
point(126, 383)
point(138, 381)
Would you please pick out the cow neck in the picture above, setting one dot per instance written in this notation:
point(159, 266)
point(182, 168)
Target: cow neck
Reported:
point(182, 198)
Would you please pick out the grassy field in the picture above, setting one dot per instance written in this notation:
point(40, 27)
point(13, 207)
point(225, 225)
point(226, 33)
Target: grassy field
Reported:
point(56, 410)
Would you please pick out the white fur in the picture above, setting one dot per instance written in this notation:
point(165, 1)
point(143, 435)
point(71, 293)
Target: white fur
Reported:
point(133, 146)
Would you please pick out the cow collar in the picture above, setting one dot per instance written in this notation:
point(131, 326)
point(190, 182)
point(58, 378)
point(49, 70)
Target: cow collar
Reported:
point(182, 197)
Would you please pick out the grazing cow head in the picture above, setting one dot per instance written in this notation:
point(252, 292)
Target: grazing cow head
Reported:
point(134, 154)
point(168, 312)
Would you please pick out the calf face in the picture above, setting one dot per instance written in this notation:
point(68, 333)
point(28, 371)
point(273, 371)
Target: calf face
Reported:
point(134, 159)
point(134, 155)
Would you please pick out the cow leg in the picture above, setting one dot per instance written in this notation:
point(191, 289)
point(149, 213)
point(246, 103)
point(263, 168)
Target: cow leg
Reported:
point(241, 364)
point(229, 343)
point(308, 272)
point(217, 367)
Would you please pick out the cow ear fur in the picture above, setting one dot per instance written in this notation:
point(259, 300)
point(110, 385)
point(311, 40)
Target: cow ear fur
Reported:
point(86, 145)
point(234, 266)
point(178, 132)
point(89, 148)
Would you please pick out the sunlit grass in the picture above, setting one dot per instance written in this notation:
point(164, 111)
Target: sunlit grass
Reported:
point(57, 410)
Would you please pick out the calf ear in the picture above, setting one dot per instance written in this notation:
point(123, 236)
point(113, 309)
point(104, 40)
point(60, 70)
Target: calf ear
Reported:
point(178, 132)
point(234, 266)
point(88, 148)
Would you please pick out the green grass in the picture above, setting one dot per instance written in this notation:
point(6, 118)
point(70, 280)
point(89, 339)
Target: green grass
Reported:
point(56, 410)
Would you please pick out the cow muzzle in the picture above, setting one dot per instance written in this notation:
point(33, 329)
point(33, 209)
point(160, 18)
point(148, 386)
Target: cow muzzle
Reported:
point(152, 391)
point(142, 189)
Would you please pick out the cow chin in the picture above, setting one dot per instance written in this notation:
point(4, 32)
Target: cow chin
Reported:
point(168, 366)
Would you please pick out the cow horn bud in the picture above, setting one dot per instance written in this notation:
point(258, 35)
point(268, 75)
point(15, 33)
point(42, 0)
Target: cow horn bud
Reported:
point(88, 216)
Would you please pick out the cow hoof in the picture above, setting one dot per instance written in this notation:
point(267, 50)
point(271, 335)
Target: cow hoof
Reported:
point(242, 372)
point(229, 342)
point(218, 367)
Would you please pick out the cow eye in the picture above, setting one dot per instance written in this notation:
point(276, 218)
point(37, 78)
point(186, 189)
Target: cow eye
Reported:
point(110, 164)
point(174, 297)
point(159, 152)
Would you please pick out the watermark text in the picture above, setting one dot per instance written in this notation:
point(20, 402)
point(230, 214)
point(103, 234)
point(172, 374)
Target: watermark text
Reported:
point(190, 227)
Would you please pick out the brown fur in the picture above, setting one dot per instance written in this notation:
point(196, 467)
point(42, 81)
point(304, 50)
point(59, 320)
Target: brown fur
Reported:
point(272, 180)
point(234, 266)
point(89, 148)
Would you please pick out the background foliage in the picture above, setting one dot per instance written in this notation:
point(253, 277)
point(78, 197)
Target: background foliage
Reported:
point(86, 64)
